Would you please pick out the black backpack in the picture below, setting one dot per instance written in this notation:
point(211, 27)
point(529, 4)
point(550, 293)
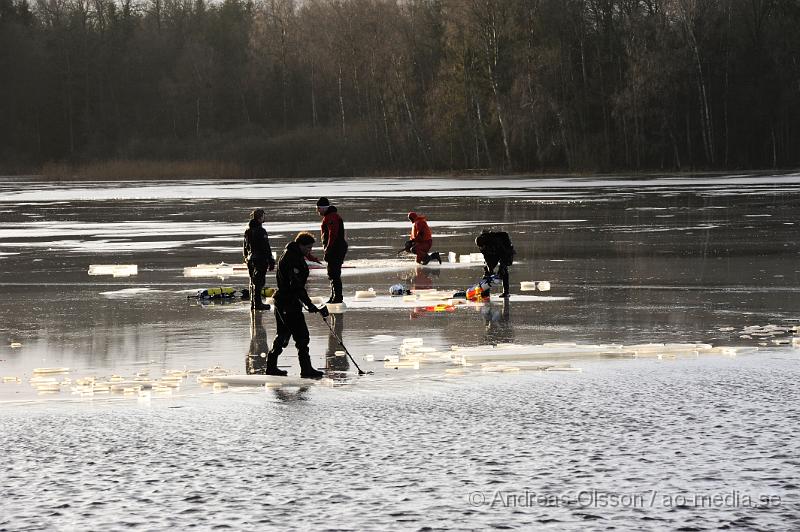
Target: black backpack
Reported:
point(502, 243)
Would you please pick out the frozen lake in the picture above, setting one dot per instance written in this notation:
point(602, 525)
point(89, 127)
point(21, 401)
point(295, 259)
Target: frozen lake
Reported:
point(625, 443)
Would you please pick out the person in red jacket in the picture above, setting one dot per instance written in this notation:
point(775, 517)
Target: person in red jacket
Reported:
point(421, 239)
point(334, 246)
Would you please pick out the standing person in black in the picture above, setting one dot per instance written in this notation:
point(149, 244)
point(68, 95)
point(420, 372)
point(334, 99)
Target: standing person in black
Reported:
point(496, 248)
point(289, 300)
point(334, 246)
point(258, 256)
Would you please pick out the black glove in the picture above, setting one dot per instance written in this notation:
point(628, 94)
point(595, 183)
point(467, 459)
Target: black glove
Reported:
point(271, 265)
point(313, 309)
point(408, 245)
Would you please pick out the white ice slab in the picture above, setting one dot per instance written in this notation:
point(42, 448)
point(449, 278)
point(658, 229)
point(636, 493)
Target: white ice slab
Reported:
point(116, 270)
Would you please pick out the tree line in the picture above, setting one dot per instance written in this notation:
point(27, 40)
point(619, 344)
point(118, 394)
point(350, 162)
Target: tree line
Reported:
point(335, 87)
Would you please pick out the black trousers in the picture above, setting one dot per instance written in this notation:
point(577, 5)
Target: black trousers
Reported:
point(335, 277)
point(335, 270)
point(258, 277)
point(291, 324)
point(502, 271)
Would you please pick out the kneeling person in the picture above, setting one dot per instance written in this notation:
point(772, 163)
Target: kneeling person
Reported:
point(290, 297)
point(421, 240)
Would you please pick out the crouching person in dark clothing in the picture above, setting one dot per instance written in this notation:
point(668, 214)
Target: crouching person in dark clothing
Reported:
point(290, 298)
point(497, 249)
point(258, 256)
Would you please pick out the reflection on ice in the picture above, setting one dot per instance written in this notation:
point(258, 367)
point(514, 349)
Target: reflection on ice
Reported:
point(125, 293)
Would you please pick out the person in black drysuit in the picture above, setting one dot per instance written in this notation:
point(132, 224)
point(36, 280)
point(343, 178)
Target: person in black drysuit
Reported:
point(291, 296)
point(258, 256)
point(497, 249)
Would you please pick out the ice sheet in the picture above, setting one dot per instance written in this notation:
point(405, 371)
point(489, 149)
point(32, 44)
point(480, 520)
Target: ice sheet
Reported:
point(519, 186)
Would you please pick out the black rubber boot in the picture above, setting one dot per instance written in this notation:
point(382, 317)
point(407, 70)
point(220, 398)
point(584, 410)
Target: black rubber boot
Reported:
point(255, 299)
point(272, 365)
point(435, 256)
point(307, 371)
point(336, 287)
point(504, 276)
point(333, 294)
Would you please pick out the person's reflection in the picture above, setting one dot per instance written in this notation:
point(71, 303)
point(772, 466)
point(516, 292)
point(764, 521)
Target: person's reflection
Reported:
point(422, 278)
point(256, 360)
point(291, 395)
point(333, 362)
point(498, 323)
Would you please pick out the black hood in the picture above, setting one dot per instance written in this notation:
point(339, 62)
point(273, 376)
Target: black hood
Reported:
point(253, 224)
point(331, 209)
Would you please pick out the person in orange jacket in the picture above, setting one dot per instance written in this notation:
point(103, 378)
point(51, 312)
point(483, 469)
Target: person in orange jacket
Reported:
point(421, 239)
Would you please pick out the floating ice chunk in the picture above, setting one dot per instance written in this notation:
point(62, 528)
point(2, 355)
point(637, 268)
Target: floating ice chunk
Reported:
point(412, 341)
point(382, 338)
point(452, 257)
point(37, 380)
point(528, 366)
point(510, 352)
point(564, 368)
point(15, 345)
point(336, 308)
point(725, 329)
point(365, 294)
point(435, 295)
point(414, 348)
point(499, 369)
point(543, 286)
point(48, 389)
point(215, 270)
point(116, 270)
point(408, 364)
point(11, 379)
point(528, 286)
point(48, 371)
point(339, 353)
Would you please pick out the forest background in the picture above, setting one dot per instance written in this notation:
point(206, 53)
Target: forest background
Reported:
point(290, 88)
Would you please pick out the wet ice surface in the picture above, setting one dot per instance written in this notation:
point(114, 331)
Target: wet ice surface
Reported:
point(710, 260)
point(383, 455)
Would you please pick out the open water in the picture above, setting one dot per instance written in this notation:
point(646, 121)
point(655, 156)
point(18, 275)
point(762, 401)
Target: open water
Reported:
point(684, 442)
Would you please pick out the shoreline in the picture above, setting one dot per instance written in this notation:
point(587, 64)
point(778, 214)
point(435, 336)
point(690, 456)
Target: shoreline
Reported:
point(148, 170)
